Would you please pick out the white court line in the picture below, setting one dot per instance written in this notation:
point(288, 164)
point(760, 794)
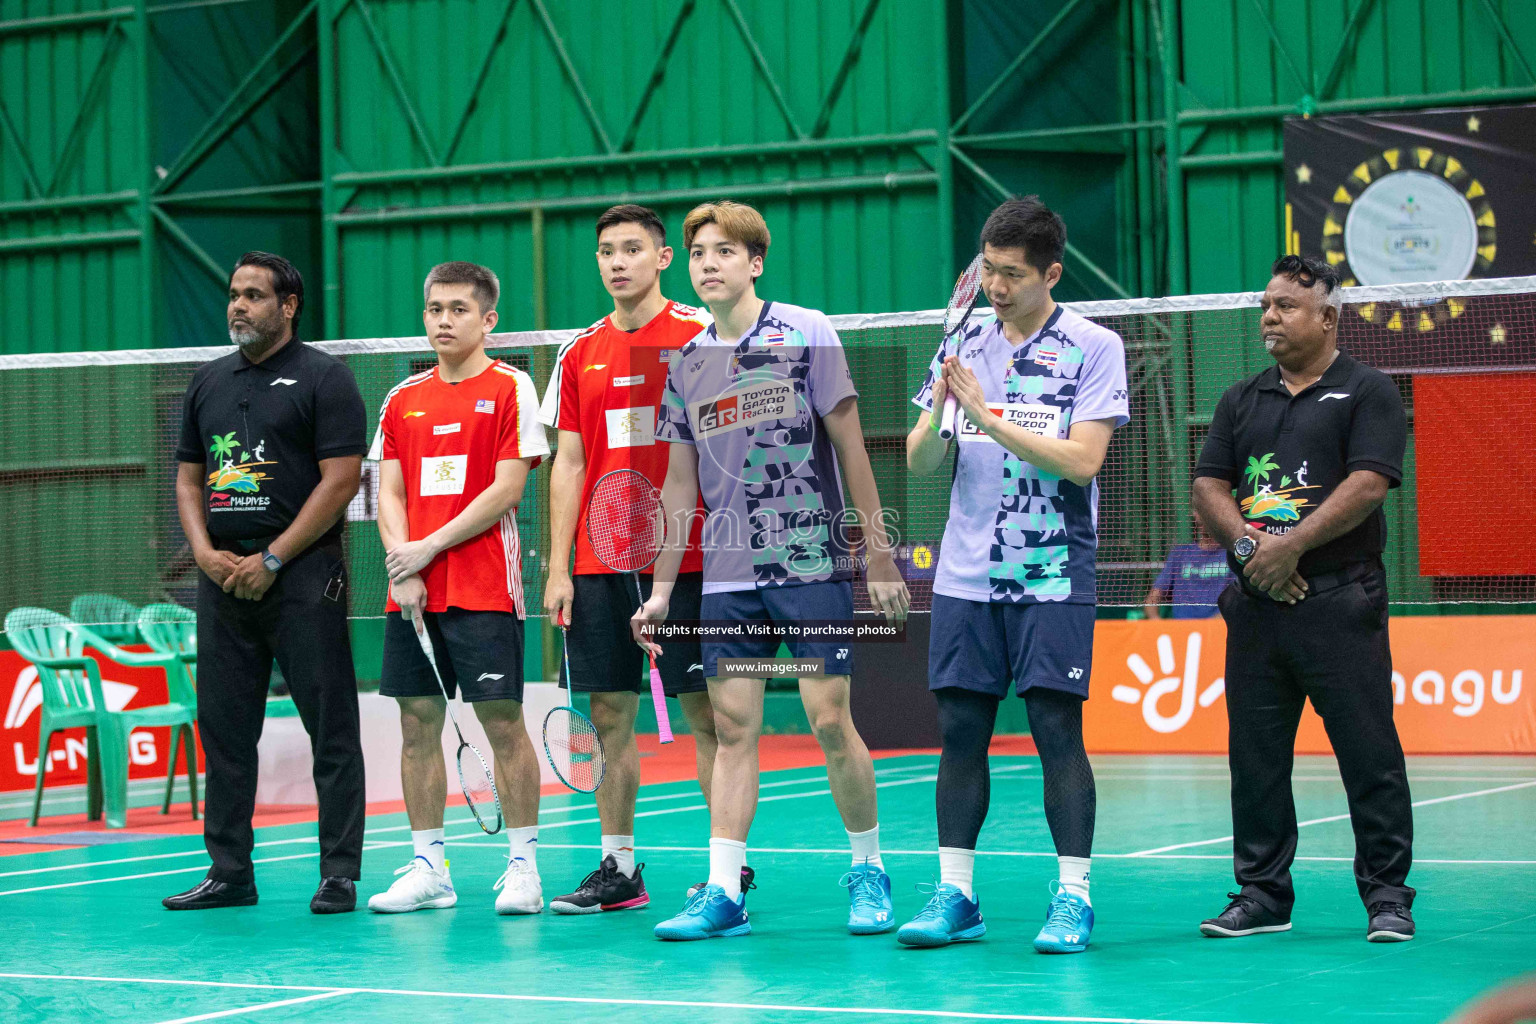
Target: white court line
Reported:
point(550, 825)
point(1338, 817)
point(148, 856)
point(601, 1001)
point(243, 1010)
point(842, 851)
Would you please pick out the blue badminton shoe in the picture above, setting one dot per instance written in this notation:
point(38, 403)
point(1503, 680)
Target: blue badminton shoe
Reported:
point(1068, 923)
point(870, 911)
point(708, 914)
point(948, 917)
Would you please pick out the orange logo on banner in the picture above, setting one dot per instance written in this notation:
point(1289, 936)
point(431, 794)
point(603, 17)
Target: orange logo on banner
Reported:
point(1460, 686)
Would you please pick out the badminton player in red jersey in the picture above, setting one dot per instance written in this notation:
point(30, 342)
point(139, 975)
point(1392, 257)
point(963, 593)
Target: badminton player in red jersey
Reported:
point(603, 400)
point(455, 446)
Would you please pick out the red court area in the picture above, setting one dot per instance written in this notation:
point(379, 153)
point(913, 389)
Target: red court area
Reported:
point(670, 763)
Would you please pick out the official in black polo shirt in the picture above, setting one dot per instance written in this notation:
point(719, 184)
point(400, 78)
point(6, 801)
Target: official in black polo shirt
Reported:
point(1291, 481)
point(271, 448)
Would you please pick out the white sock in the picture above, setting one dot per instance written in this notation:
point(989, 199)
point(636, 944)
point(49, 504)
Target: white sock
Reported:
point(430, 848)
point(1074, 876)
point(866, 848)
point(525, 844)
point(957, 867)
point(726, 859)
point(622, 850)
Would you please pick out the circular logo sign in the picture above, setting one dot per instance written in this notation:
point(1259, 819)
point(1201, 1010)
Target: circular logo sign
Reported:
point(1410, 226)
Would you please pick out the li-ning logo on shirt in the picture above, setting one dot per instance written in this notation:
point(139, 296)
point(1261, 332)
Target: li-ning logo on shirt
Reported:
point(281, 380)
point(594, 366)
point(488, 675)
point(1333, 394)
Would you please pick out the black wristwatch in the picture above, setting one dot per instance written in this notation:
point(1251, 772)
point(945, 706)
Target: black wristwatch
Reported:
point(1243, 548)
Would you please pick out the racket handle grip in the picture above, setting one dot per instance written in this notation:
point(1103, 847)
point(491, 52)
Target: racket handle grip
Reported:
point(948, 417)
point(659, 699)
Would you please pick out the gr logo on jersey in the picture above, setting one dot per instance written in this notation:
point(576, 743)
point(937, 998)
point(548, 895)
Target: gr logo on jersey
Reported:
point(1044, 420)
point(770, 400)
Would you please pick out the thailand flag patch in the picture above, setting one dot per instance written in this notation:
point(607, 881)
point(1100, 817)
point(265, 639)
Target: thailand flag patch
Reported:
point(485, 405)
point(1047, 356)
point(774, 339)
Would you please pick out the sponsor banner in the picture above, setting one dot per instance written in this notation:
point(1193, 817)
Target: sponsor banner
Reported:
point(443, 474)
point(123, 686)
point(773, 400)
point(1461, 685)
point(632, 428)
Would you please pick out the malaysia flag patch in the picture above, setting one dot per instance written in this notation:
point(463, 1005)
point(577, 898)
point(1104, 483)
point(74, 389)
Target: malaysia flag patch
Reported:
point(485, 405)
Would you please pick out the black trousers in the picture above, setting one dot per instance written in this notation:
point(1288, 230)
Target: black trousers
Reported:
point(1330, 648)
point(305, 629)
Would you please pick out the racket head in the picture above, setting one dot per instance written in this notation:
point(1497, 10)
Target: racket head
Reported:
point(625, 522)
point(479, 787)
point(574, 750)
point(963, 299)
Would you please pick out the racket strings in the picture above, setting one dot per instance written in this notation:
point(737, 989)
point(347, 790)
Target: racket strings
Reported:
point(963, 297)
point(479, 785)
point(624, 521)
point(575, 752)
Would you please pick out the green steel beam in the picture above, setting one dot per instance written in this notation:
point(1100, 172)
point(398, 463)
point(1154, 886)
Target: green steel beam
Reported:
point(1003, 192)
point(81, 240)
point(23, 157)
point(40, 207)
point(1216, 161)
point(658, 74)
point(149, 262)
point(198, 253)
point(1007, 73)
point(238, 107)
point(763, 70)
point(1168, 31)
point(88, 100)
point(330, 248)
point(221, 195)
point(1284, 51)
point(1271, 112)
point(944, 164)
point(844, 69)
point(540, 277)
point(474, 93)
point(1004, 140)
point(51, 22)
point(1502, 28)
point(387, 60)
point(470, 211)
point(572, 76)
point(1347, 43)
point(600, 161)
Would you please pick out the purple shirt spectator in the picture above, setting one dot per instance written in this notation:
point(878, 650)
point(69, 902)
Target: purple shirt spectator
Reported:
point(1191, 579)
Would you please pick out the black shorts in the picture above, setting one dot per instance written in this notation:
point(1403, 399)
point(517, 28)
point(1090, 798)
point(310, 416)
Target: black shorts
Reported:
point(481, 650)
point(603, 654)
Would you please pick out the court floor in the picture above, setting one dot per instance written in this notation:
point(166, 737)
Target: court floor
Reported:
point(84, 937)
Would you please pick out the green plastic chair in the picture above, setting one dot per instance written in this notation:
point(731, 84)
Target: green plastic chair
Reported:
point(110, 617)
point(73, 696)
point(171, 629)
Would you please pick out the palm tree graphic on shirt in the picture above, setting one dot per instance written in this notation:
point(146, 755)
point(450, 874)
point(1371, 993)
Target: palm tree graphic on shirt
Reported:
point(1266, 502)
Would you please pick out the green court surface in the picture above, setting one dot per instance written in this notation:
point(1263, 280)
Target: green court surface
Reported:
point(86, 940)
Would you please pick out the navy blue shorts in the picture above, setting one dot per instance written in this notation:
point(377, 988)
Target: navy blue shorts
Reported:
point(985, 645)
point(480, 653)
point(809, 603)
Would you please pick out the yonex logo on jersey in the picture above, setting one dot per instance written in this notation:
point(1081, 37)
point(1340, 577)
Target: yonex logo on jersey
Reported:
point(973, 353)
point(485, 405)
point(281, 380)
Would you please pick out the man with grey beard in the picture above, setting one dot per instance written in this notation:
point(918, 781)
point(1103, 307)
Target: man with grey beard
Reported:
point(272, 440)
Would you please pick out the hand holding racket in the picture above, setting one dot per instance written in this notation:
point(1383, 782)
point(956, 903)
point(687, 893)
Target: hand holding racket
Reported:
point(961, 301)
point(475, 777)
point(571, 742)
point(627, 525)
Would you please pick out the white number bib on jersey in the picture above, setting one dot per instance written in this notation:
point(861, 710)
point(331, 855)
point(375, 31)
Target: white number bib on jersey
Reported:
point(1044, 420)
point(632, 428)
point(443, 474)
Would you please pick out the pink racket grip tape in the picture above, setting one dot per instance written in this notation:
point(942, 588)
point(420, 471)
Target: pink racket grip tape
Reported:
point(659, 698)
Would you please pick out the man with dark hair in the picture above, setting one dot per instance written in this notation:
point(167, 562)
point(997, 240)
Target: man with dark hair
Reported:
point(603, 399)
point(272, 439)
point(1042, 391)
point(455, 445)
point(1291, 481)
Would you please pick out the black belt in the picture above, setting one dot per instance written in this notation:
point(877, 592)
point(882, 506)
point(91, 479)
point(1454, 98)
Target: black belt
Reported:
point(1323, 581)
point(245, 544)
